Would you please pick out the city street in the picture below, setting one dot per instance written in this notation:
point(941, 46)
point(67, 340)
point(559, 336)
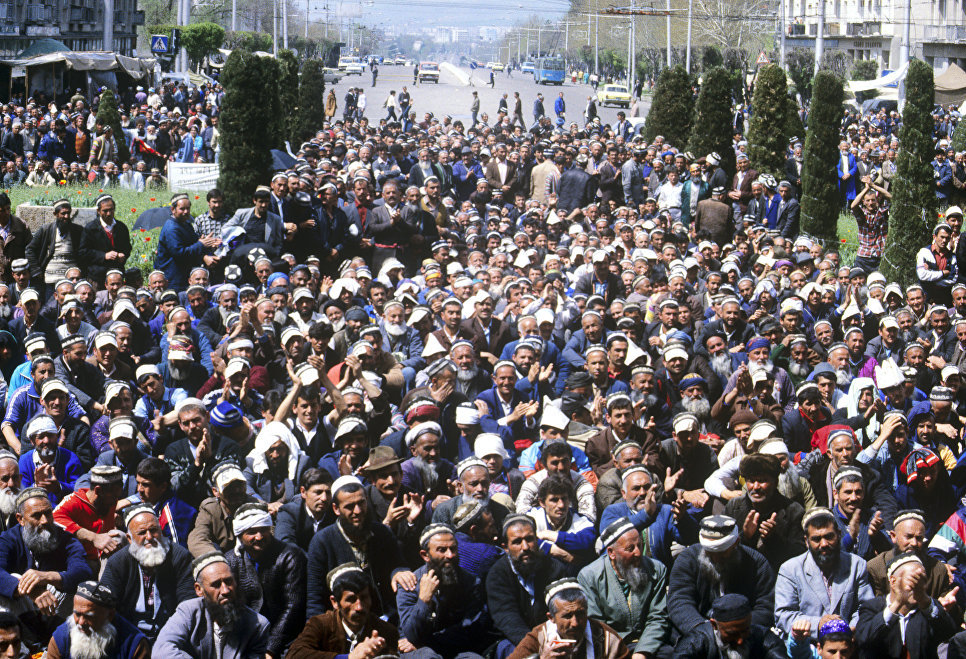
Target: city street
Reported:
point(452, 97)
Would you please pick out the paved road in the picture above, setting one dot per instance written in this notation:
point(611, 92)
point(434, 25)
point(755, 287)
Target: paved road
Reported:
point(450, 96)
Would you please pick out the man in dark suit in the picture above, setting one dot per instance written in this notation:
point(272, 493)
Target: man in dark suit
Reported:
point(514, 610)
point(41, 248)
point(152, 568)
point(793, 170)
point(788, 211)
point(740, 192)
point(302, 517)
point(194, 458)
point(105, 244)
point(501, 174)
point(924, 621)
point(390, 226)
point(489, 335)
point(14, 245)
point(31, 321)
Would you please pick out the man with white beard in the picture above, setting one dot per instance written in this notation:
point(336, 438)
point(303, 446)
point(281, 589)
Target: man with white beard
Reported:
point(838, 357)
point(402, 341)
point(694, 399)
point(625, 574)
point(153, 576)
point(9, 488)
point(471, 380)
point(214, 625)
point(95, 631)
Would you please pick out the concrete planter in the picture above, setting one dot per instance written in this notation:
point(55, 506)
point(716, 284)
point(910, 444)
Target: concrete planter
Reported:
point(37, 216)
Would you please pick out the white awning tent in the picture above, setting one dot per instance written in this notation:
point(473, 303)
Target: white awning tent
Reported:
point(883, 84)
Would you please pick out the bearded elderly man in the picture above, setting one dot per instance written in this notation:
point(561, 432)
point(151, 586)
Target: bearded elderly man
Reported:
point(759, 350)
point(10, 483)
point(40, 566)
point(625, 575)
point(95, 631)
point(214, 625)
point(153, 576)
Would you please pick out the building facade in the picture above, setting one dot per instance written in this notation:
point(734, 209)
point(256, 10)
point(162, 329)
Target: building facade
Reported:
point(872, 29)
point(79, 24)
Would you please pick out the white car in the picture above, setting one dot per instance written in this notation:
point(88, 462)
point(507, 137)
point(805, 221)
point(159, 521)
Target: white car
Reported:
point(351, 66)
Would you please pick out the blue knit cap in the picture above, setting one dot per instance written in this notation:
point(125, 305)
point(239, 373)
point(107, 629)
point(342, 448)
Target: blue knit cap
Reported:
point(226, 416)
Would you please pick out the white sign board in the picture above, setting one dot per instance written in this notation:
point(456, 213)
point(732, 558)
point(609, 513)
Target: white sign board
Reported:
point(183, 177)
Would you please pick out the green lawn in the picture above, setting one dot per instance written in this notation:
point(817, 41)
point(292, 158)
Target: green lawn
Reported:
point(129, 205)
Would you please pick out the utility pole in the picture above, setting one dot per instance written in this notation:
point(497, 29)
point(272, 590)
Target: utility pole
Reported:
point(275, 27)
point(306, 19)
point(820, 37)
point(109, 25)
point(596, 43)
point(566, 36)
point(631, 59)
point(905, 47)
point(783, 30)
point(687, 65)
point(668, 30)
point(539, 27)
point(284, 23)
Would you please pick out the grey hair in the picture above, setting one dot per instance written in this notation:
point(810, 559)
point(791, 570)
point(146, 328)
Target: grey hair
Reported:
point(572, 595)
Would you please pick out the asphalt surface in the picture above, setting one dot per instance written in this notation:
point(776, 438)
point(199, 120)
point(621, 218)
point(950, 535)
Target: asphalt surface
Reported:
point(453, 97)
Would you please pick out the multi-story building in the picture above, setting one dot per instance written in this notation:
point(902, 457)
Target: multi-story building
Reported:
point(78, 24)
point(872, 29)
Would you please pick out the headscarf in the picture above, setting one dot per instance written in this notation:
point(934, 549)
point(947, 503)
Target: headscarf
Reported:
point(271, 433)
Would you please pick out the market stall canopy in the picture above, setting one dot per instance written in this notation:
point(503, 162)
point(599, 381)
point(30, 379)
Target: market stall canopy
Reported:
point(43, 47)
point(136, 67)
point(951, 85)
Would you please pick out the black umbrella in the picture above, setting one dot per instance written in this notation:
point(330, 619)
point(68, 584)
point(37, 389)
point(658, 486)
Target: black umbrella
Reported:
point(281, 160)
point(152, 218)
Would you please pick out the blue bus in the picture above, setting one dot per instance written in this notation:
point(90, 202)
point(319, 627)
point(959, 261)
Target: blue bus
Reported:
point(548, 70)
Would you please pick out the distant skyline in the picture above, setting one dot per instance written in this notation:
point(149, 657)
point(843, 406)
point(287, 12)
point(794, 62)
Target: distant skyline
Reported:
point(411, 15)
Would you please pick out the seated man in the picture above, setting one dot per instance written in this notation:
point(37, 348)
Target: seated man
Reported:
point(275, 465)
point(718, 564)
point(48, 465)
point(554, 427)
point(213, 528)
point(624, 574)
point(123, 454)
point(10, 484)
point(564, 533)
point(40, 567)
point(557, 458)
point(191, 631)
point(270, 574)
point(769, 521)
point(153, 576)
point(908, 535)
point(906, 622)
point(154, 488)
point(861, 528)
point(94, 627)
point(355, 533)
point(426, 472)
point(193, 458)
point(89, 514)
point(447, 612)
point(474, 485)
point(302, 517)
point(843, 573)
point(731, 631)
point(76, 433)
point(476, 532)
point(512, 586)
point(25, 402)
point(659, 522)
point(567, 625)
point(351, 619)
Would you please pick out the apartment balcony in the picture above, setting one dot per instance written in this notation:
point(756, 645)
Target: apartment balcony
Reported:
point(865, 29)
point(944, 33)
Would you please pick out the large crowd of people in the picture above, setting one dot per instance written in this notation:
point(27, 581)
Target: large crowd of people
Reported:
point(455, 389)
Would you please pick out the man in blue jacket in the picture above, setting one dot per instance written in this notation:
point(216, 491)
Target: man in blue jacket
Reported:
point(43, 555)
point(179, 247)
